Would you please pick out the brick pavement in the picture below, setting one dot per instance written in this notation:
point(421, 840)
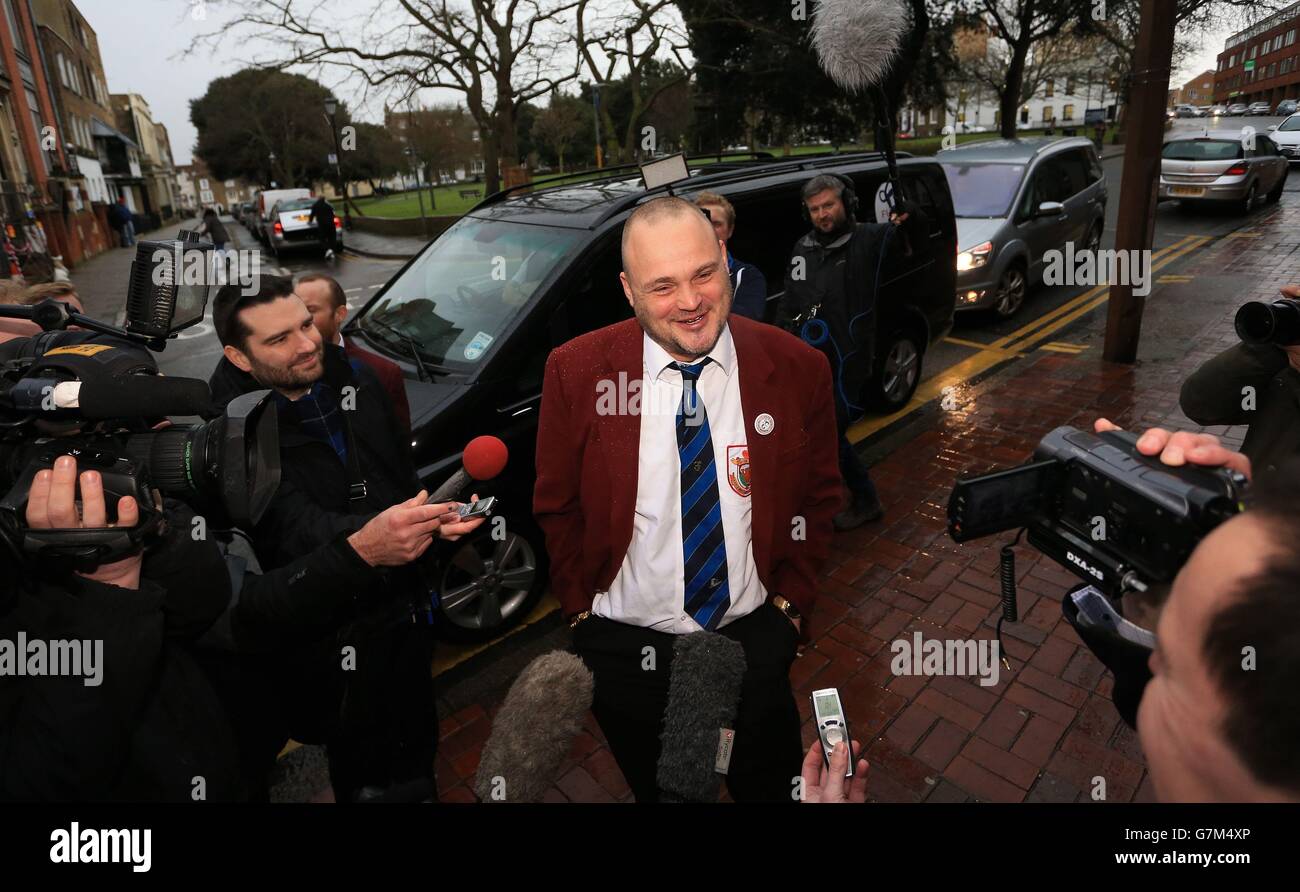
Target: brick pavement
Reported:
point(1047, 728)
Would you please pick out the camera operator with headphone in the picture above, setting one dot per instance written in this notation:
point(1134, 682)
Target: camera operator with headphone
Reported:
point(829, 300)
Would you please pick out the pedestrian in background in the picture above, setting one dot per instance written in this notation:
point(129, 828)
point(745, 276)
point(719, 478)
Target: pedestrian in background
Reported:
point(323, 213)
point(123, 222)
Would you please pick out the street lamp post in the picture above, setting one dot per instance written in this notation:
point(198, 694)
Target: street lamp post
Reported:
point(331, 113)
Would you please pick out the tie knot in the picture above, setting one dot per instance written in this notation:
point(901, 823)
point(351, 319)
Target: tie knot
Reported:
point(691, 372)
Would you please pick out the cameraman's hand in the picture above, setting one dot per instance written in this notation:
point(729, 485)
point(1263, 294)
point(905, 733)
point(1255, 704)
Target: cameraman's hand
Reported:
point(1176, 449)
point(453, 527)
point(822, 784)
point(400, 534)
point(52, 505)
point(1292, 291)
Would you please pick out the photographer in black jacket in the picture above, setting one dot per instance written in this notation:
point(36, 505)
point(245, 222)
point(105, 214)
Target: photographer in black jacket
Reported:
point(364, 689)
point(143, 723)
point(1256, 385)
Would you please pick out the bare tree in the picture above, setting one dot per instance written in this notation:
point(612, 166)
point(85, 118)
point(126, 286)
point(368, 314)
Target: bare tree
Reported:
point(557, 126)
point(622, 39)
point(496, 53)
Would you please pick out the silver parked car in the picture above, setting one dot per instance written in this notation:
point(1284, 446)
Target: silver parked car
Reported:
point(1015, 200)
point(1260, 108)
point(1222, 166)
point(1238, 108)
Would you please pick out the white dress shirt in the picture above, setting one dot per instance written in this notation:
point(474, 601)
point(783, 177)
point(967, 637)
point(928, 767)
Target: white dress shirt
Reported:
point(649, 590)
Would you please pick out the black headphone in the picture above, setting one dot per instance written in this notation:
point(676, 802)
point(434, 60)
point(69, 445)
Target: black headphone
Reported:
point(849, 196)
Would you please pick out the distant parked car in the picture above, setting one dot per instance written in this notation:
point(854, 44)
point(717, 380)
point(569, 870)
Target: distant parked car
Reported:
point(290, 226)
point(1015, 200)
point(1217, 167)
point(1286, 107)
point(1187, 111)
point(1238, 108)
point(1260, 108)
point(1218, 110)
point(1286, 136)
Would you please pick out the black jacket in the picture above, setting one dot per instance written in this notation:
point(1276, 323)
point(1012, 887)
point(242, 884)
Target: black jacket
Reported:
point(314, 504)
point(1216, 394)
point(841, 279)
point(150, 728)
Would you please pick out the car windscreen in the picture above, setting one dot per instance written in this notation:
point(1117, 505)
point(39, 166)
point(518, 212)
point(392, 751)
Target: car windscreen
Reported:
point(982, 189)
point(458, 296)
point(1291, 123)
point(1202, 150)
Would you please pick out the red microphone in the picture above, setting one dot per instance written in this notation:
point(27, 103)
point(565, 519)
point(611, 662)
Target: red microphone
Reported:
point(484, 458)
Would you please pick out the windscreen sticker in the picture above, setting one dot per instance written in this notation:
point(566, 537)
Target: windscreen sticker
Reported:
point(477, 345)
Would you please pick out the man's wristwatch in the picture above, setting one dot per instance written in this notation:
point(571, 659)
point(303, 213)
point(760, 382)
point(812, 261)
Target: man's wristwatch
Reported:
point(787, 608)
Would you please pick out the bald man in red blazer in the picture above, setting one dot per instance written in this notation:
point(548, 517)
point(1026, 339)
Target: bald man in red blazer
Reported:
point(611, 500)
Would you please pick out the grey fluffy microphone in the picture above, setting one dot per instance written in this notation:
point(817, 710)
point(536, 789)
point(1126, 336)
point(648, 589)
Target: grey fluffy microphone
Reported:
point(703, 696)
point(534, 729)
point(856, 40)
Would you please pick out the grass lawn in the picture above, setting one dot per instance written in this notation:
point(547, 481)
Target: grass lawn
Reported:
point(447, 200)
point(406, 205)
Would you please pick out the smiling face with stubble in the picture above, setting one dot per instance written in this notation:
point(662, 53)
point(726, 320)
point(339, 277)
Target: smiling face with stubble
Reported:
point(675, 277)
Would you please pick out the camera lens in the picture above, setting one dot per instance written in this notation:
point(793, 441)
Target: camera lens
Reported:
point(1277, 322)
point(176, 458)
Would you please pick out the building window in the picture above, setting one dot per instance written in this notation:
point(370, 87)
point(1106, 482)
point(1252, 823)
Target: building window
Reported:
point(1253, 50)
point(1051, 88)
point(1277, 43)
point(1069, 86)
point(1290, 37)
point(1047, 113)
point(1067, 113)
point(1232, 60)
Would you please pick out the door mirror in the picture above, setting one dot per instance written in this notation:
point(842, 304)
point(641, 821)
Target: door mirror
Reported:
point(1050, 209)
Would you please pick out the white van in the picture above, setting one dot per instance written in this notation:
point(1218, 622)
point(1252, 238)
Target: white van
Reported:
point(267, 199)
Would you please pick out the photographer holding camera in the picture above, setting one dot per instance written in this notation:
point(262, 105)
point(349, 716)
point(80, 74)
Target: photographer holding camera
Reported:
point(140, 719)
point(1256, 382)
point(1217, 719)
point(364, 686)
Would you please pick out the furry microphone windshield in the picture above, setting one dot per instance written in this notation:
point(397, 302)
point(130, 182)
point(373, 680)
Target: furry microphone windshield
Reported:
point(534, 729)
point(856, 40)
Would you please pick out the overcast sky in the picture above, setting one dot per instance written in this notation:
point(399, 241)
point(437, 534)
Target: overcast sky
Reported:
point(144, 52)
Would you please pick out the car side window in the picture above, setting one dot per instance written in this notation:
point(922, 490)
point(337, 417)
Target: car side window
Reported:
point(1074, 166)
point(599, 299)
point(1264, 147)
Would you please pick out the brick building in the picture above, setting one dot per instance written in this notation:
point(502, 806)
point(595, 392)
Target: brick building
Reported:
point(1198, 91)
point(1262, 62)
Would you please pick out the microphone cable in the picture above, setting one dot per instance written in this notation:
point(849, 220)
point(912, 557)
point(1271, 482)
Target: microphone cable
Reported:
point(1007, 577)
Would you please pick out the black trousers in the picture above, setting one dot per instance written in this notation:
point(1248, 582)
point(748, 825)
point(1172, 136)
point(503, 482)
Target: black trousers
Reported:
point(630, 700)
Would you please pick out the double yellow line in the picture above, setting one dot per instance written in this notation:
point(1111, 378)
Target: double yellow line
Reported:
point(1018, 342)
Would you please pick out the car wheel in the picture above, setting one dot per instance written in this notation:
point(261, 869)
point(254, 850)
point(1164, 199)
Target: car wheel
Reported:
point(1275, 194)
point(1249, 201)
point(487, 586)
point(898, 371)
point(1010, 291)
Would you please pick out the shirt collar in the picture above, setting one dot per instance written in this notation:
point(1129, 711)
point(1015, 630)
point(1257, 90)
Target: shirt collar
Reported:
point(655, 358)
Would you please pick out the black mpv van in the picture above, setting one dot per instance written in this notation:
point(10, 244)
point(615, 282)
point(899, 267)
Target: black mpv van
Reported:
point(472, 318)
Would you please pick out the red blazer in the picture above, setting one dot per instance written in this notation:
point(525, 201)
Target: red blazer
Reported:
point(390, 377)
point(585, 496)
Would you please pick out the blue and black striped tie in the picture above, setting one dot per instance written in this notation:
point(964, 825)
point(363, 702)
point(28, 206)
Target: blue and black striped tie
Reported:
point(703, 547)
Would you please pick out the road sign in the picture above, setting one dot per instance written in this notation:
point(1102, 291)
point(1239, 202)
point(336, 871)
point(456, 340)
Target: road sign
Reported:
point(1250, 65)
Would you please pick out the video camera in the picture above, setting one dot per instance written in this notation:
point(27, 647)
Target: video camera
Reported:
point(1121, 521)
point(97, 395)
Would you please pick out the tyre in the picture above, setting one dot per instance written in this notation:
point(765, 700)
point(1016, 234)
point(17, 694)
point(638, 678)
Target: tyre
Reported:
point(897, 372)
point(1011, 289)
point(1275, 194)
point(487, 586)
point(1247, 203)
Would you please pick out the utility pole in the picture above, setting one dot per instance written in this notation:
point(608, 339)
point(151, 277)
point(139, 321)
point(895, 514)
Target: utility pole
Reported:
point(1145, 117)
point(595, 104)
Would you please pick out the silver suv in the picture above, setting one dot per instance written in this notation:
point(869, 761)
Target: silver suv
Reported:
point(1014, 201)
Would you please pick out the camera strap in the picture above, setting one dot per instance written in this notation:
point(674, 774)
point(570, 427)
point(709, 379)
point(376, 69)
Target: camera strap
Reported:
point(357, 491)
